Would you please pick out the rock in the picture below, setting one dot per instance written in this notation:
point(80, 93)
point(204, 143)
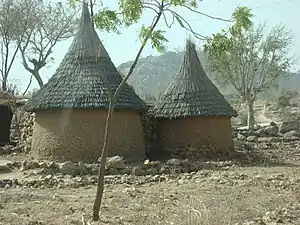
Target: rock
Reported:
point(186, 162)
point(164, 170)
point(33, 165)
point(261, 133)
point(272, 129)
point(24, 166)
point(82, 168)
point(112, 171)
point(241, 137)
point(69, 168)
point(152, 171)
point(53, 166)
point(174, 162)
point(138, 171)
point(4, 169)
point(43, 165)
point(154, 163)
point(92, 168)
point(147, 162)
point(151, 163)
point(252, 139)
point(115, 162)
point(287, 126)
point(292, 133)
point(125, 171)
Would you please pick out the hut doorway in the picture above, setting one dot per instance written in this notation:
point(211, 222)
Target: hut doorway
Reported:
point(6, 116)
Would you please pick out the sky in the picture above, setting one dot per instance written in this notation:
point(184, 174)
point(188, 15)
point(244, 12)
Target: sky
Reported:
point(124, 47)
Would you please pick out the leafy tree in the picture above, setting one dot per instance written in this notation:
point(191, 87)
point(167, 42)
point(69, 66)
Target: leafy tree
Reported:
point(129, 12)
point(247, 58)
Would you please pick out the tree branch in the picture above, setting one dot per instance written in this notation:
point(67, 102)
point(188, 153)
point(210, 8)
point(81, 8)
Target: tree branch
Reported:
point(28, 86)
point(206, 15)
point(188, 27)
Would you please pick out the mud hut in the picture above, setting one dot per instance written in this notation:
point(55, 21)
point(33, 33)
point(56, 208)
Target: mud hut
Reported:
point(71, 109)
point(192, 114)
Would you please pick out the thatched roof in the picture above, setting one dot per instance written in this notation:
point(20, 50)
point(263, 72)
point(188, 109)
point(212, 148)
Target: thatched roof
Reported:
point(191, 93)
point(84, 77)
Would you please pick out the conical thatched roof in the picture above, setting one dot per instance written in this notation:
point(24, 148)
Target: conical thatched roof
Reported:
point(192, 93)
point(84, 77)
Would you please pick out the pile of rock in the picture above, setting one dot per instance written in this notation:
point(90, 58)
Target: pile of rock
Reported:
point(288, 130)
point(117, 166)
point(203, 152)
point(26, 132)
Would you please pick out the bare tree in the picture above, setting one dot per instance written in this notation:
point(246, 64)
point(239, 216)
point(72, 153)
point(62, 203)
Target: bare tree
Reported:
point(8, 45)
point(53, 22)
point(249, 59)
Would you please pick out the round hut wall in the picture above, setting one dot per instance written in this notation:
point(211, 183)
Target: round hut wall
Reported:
point(77, 134)
point(196, 132)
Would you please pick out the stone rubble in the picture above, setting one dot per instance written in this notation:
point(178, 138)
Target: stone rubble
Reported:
point(69, 174)
point(286, 131)
point(288, 215)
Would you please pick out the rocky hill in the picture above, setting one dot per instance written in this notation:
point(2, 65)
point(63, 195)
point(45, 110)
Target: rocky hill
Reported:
point(154, 73)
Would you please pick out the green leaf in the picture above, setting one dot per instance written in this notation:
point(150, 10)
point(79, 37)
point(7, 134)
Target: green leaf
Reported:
point(107, 20)
point(131, 11)
point(189, 3)
point(73, 2)
point(242, 17)
point(157, 38)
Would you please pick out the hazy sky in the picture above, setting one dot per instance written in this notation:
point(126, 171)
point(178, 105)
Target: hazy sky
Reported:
point(124, 47)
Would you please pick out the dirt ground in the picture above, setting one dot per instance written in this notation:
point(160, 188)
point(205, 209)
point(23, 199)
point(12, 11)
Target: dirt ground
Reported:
point(235, 195)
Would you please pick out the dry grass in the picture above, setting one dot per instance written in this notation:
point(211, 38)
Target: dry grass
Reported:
point(181, 202)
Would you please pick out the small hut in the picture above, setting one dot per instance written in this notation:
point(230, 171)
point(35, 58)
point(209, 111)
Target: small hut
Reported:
point(71, 109)
point(192, 112)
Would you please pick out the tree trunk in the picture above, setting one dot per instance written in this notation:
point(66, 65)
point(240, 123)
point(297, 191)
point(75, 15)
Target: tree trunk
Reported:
point(101, 173)
point(250, 119)
point(4, 85)
point(38, 78)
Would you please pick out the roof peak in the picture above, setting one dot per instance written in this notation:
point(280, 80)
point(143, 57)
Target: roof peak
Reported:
point(192, 93)
point(85, 76)
point(87, 41)
point(86, 18)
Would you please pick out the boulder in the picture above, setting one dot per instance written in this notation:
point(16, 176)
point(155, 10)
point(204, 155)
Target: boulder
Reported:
point(73, 168)
point(271, 130)
point(4, 169)
point(174, 162)
point(292, 133)
point(287, 126)
point(261, 133)
point(252, 139)
point(115, 162)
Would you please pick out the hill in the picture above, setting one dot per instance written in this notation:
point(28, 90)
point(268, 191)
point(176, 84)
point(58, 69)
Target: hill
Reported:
point(154, 73)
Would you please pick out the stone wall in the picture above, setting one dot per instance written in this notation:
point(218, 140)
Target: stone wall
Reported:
point(26, 131)
point(149, 129)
